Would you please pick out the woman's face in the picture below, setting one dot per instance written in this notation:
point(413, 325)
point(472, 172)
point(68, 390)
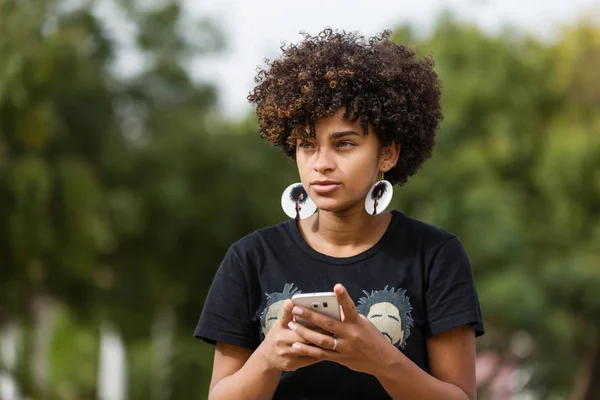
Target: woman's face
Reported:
point(339, 166)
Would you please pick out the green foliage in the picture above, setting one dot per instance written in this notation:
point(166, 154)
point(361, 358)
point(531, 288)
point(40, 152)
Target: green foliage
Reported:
point(119, 196)
point(515, 175)
point(74, 358)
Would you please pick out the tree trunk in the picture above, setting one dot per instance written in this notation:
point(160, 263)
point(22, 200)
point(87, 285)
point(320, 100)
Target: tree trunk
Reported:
point(10, 336)
point(162, 343)
point(588, 385)
point(112, 371)
point(43, 325)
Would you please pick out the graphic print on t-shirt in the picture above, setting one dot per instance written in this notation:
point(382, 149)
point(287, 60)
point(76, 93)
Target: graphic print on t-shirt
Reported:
point(390, 312)
point(272, 311)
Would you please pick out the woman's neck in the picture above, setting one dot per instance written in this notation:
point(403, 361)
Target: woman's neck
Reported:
point(343, 235)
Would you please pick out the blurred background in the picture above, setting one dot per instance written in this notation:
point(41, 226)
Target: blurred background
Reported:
point(127, 149)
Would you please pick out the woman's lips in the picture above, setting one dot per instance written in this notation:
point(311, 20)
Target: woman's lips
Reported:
point(321, 187)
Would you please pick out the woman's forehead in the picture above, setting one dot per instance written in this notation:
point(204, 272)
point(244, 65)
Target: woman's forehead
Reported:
point(334, 126)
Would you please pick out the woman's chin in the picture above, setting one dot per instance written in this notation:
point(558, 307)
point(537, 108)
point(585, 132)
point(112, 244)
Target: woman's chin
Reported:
point(332, 206)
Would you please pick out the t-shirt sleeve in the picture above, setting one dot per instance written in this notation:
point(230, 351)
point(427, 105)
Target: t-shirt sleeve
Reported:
point(451, 299)
point(226, 315)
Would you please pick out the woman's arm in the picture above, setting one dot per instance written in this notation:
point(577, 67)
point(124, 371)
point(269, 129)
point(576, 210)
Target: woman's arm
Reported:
point(240, 373)
point(360, 346)
point(452, 363)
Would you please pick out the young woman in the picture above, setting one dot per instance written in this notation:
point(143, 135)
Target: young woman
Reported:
point(354, 114)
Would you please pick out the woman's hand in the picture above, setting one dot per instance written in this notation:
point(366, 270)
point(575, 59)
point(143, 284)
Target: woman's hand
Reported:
point(276, 350)
point(360, 345)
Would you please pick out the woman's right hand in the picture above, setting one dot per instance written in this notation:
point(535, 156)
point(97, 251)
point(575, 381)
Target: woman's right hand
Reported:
point(276, 349)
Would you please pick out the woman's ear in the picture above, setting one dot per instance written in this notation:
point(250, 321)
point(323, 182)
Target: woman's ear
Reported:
point(389, 156)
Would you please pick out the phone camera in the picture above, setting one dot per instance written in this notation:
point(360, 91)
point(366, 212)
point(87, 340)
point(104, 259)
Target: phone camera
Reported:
point(315, 305)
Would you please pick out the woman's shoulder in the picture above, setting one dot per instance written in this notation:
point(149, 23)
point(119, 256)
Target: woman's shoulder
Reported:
point(423, 232)
point(273, 235)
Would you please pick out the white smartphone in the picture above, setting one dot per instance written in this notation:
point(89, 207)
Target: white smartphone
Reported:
point(325, 303)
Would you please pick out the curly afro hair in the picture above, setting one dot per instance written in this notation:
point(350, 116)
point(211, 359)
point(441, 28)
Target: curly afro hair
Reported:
point(377, 81)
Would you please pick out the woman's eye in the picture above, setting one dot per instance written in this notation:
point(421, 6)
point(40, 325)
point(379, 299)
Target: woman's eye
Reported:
point(306, 145)
point(345, 144)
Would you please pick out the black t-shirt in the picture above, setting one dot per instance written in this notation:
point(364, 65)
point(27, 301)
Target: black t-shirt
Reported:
point(415, 282)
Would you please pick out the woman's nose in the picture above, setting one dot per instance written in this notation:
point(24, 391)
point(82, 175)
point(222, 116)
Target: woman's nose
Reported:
point(324, 161)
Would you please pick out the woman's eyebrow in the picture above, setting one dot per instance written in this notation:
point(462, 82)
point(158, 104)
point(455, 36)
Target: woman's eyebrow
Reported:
point(337, 135)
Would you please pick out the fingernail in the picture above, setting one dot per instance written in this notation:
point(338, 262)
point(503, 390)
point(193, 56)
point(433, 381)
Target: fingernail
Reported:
point(292, 326)
point(297, 346)
point(297, 311)
point(340, 289)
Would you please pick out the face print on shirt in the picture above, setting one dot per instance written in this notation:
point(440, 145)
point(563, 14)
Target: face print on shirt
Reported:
point(272, 311)
point(390, 312)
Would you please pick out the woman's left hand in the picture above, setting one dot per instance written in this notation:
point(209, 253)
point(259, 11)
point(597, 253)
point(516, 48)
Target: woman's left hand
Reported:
point(360, 345)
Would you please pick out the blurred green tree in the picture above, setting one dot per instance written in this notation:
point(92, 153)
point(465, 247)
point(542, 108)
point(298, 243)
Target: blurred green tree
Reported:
point(56, 129)
point(516, 175)
point(101, 177)
point(119, 195)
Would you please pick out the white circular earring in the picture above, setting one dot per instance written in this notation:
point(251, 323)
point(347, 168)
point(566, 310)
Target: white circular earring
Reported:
point(379, 197)
point(296, 203)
